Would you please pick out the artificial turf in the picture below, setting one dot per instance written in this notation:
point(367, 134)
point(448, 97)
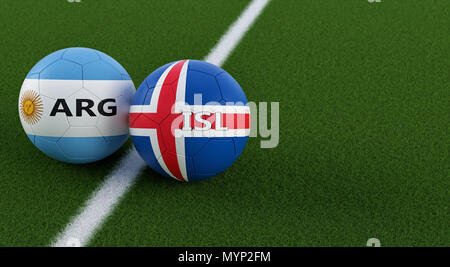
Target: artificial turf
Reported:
point(363, 152)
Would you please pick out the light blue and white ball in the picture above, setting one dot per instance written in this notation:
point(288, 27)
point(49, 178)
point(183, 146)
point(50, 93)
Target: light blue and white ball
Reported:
point(74, 105)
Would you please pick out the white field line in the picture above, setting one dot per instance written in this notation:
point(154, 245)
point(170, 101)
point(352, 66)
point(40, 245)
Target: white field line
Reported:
point(237, 30)
point(101, 203)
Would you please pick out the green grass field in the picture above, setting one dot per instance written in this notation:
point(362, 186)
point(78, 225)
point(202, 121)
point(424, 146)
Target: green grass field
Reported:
point(364, 120)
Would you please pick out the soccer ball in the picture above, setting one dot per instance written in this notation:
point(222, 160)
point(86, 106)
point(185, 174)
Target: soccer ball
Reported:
point(74, 104)
point(189, 120)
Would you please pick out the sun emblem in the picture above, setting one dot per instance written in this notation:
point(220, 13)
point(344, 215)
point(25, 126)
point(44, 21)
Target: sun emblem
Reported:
point(31, 107)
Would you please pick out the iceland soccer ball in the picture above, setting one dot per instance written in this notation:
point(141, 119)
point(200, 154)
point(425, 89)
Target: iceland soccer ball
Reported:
point(189, 120)
point(74, 104)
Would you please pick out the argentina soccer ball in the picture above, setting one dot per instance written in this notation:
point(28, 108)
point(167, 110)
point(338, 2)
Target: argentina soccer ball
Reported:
point(74, 103)
point(189, 120)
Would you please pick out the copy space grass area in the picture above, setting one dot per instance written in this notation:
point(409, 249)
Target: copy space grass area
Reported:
point(364, 120)
point(38, 195)
point(363, 91)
